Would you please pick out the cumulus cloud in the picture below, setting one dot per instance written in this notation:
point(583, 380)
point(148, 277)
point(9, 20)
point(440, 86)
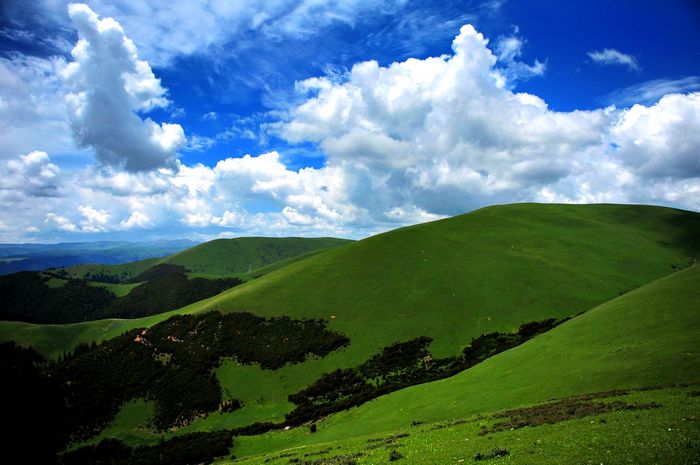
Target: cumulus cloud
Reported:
point(409, 142)
point(508, 50)
point(610, 56)
point(137, 220)
point(60, 222)
point(663, 140)
point(109, 85)
point(31, 175)
point(443, 134)
point(447, 134)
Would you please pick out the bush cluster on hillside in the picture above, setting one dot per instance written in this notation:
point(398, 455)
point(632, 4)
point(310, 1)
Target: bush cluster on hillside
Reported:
point(191, 448)
point(27, 297)
point(173, 361)
point(396, 367)
point(32, 406)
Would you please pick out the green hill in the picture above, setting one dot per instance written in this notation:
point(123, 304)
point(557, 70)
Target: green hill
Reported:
point(451, 280)
point(645, 338)
point(454, 279)
point(217, 258)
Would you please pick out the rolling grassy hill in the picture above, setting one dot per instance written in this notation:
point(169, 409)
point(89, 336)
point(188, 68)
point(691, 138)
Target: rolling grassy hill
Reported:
point(489, 270)
point(646, 337)
point(217, 258)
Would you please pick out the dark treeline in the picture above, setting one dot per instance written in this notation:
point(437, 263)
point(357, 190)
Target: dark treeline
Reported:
point(26, 297)
point(396, 367)
point(166, 292)
point(173, 364)
point(191, 448)
point(32, 406)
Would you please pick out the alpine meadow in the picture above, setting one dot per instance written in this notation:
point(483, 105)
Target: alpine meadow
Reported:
point(350, 233)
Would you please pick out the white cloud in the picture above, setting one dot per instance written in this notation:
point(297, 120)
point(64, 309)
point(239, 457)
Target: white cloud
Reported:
point(442, 134)
point(109, 85)
point(164, 29)
point(610, 56)
point(93, 220)
point(508, 49)
point(662, 140)
point(410, 142)
point(650, 92)
point(137, 220)
point(60, 222)
point(32, 174)
point(32, 109)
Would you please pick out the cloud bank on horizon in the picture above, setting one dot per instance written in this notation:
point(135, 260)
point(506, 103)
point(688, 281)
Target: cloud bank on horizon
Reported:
point(403, 142)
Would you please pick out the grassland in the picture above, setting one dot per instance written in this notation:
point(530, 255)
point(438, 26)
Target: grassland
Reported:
point(454, 279)
point(218, 258)
point(668, 434)
point(646, 337)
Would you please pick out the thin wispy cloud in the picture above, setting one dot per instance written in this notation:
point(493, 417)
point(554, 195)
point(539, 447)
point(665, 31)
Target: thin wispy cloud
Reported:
point(610, 56)
point(650, 92)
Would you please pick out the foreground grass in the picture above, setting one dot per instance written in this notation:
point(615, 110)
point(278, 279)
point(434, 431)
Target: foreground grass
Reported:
point(667, 434)
point(646, 337)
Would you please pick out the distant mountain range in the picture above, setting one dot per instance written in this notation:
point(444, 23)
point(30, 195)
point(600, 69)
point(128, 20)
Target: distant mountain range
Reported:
point(37, 257)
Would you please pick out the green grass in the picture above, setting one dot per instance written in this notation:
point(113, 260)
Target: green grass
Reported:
point(646, 337)
point(221, 257)
point(453, 279)
point(666, 435)
point(119, 290)
point(226, 257)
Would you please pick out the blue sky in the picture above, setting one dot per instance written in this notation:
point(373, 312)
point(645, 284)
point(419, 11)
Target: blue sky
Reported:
point(356, 117)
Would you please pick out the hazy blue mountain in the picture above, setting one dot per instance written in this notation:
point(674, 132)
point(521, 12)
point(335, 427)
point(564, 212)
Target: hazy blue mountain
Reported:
point(37, 257)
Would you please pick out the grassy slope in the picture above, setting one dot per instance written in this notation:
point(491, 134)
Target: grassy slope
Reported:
point(667, 435)
point(224, 257)
point(221, 257)
point(646, 337)
point(119, 290)
point(453, 279)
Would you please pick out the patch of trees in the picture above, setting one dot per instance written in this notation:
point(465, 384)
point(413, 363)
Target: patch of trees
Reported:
point(188, 449)
point(166, 292)
point(173, 364)
point(398, 366)
point(26, 297)
point(32, 406)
